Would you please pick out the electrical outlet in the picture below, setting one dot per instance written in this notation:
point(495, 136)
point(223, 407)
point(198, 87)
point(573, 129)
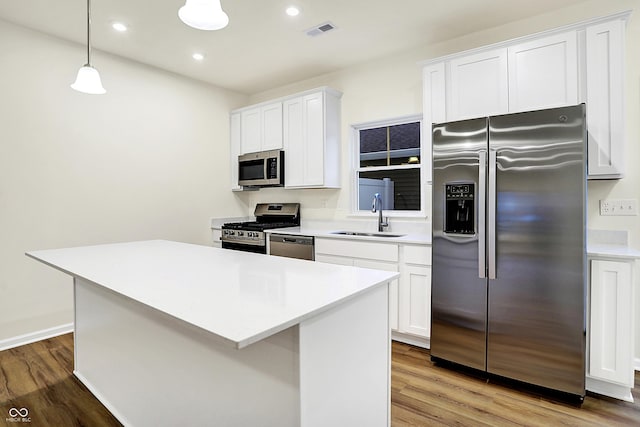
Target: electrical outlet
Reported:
point(618, 207)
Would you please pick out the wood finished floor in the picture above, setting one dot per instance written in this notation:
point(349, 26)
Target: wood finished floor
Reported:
point(39, 377)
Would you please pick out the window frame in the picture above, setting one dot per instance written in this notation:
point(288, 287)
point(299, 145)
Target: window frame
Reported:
point(356, 169)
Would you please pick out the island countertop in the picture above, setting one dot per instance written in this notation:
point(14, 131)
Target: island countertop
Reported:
point(239, 296)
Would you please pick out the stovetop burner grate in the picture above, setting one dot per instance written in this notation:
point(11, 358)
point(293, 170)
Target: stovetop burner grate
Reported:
point(257, 226)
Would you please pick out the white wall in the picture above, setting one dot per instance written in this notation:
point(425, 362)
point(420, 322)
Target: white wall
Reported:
point(148, 160)
point(392, 86)
point(139, 162)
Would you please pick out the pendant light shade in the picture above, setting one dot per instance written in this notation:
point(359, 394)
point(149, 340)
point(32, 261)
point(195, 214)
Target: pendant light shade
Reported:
point(88, 81)
point(203, 14)
point(88, 78)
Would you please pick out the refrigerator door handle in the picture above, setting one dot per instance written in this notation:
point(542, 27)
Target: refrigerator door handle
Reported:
point(491, 215)
point(482, 206)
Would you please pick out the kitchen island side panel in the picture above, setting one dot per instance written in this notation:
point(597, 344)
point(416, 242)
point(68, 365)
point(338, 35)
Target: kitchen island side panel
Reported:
point(151, 369)
point(345, 363)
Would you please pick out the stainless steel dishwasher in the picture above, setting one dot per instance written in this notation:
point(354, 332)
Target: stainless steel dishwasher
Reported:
point(290, 246)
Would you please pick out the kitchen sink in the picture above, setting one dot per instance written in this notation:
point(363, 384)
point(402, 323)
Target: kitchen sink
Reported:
point(360, 233)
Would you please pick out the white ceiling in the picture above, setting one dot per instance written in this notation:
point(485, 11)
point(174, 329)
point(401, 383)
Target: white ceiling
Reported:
point(262, 47)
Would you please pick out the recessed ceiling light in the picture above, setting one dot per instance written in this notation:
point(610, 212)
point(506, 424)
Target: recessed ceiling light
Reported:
point(198, 56)
point(119, 26)
point(293, 11)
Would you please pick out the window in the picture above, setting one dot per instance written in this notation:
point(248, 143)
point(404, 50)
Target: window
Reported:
point(388, 162)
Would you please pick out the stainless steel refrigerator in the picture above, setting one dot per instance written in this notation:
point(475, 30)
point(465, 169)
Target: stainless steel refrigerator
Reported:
point(509, 259)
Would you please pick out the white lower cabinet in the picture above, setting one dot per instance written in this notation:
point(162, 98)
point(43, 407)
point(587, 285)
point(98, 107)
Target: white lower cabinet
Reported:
point(410, 295)
point(216, 235)
point(414, 299)
point(379, 256)
point(415, 290)
point(610, 368)
point(393, 287)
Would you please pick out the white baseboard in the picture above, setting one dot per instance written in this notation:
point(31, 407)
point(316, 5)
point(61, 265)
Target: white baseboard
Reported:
point(35, 336)
point(411, 339)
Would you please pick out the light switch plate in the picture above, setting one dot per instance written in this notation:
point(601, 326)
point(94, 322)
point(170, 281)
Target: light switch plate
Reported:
point(618, 207)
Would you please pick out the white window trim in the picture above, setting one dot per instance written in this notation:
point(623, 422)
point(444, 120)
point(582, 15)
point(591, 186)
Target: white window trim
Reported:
point(355, 166)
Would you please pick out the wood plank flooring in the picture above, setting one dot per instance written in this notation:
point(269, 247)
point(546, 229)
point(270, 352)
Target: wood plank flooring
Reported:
point(39, 377)
point(424, 394)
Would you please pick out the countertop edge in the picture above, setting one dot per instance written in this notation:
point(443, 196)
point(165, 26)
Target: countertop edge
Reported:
point(408, 238)
point(298, 320)
point(612, 251)
point(238, 342)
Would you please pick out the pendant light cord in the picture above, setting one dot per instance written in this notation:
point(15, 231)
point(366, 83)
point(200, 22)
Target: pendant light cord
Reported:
point(89, 33)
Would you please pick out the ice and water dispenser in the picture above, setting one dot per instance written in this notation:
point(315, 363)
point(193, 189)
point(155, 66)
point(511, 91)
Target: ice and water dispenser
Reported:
point(459, 208)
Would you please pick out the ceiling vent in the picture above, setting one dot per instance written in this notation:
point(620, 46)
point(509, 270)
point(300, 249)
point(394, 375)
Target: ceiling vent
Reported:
point(320, 29)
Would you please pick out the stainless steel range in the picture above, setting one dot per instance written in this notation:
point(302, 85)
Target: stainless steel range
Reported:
point(250, 237)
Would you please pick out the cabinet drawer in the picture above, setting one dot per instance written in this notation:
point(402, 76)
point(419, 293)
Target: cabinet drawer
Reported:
point(358, 249)
point(420, 255)
point(332, 259)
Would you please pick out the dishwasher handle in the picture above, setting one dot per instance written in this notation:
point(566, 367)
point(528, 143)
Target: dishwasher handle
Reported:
point(299, 240)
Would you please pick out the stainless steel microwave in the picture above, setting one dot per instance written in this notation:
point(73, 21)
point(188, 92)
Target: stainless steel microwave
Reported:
point(261, 169)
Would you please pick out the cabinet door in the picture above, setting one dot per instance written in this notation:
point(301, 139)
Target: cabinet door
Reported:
point(271, 116)
point(605, 99)
point(415, 300)
point(358, 248)
point(251, 131)
point(477, 85)
point(294, 143)
point(234, 150)
point(333, 259)
point(611, 322)
point(304, 139)
point(313, 126)
point(433, 108)
point(543, 73)
point(393, 287)
point(216, 235)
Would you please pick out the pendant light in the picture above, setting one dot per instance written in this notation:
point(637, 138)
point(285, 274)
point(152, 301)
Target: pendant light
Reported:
point(88, 78)
point(203, 14)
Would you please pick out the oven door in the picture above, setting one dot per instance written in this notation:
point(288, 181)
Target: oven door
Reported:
point(258, 249)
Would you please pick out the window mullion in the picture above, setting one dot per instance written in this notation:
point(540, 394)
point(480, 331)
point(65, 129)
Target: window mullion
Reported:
point(388, 148)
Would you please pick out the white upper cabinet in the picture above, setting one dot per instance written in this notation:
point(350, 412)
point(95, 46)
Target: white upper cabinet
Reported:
point(312, 140)
point(543, 73)
point(261, 128)
point(578, 63)
point(234, 152)
point(605, 98)
point(305, 125)
point(477, 85)
point(433, 101)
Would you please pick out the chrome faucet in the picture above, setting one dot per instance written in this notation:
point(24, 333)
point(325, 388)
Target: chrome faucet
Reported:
point(377, 206)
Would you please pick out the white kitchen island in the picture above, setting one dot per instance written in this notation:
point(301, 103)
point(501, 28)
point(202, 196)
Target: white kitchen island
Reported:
point(171, 334)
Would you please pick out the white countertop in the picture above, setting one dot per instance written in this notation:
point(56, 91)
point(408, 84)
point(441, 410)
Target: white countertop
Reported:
point(612, 251)
point(410, 237)
point(239, 296)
